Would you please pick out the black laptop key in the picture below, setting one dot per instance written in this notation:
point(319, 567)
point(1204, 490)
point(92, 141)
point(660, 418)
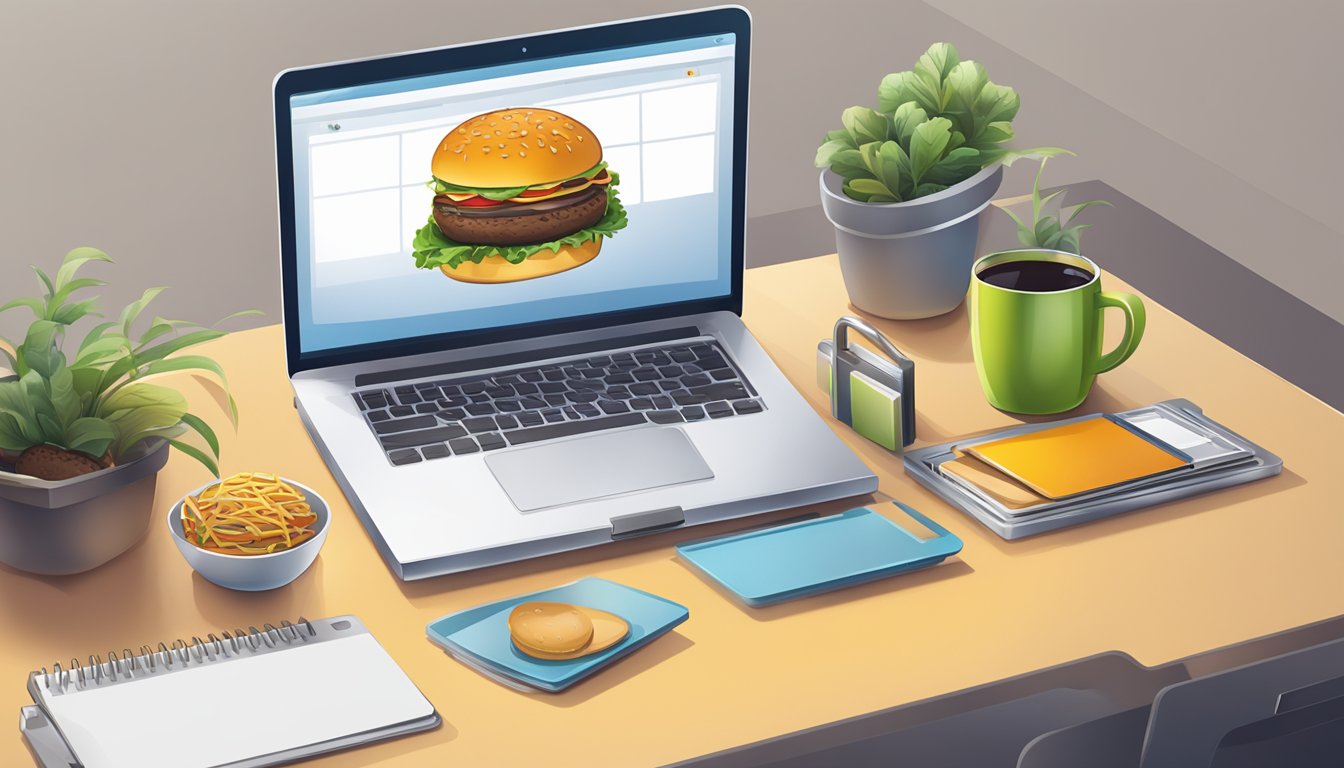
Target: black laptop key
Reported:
point(644, 388)
point(681, 356)
point(401, 410)
point(454, 401)
point(587, 410)
point(570, 413)
point(404, 456)
point(552, 416)
point(532, 403)
point(421, 437)
point(531, 376)
point(553, 387)
point(427, 408)
point(686, 398)
point(436, 451)
point(728, 390)
point(619, 392)
point(364, 403)
point(592, 373)
point(554, 375)
point(710, 361)
point(509, 406)
point(693, 413)
point(665, 417)
point(473, 387)
point(463, 445)
point(425, 385)
point(405, 389)
point(581, 397)
point(695, 380)
point(506, 421)
point(530, 418)
point(569, 428)
point(662, 402)
point(668, 371)
point(510, 380)
point(620, 378)
point(692, 368)
point(525, 388)
point(482, 424)
point(481, 409)
point(670, 385)
point(588, 385)
point(491, 441)
point(641, 404)
point(645, 374)
point(450, 390)
point(378, 415)
point(748, 406)
point(481, 398)
point(613, 406)
point(723, 374)
point(498, 392)
point(718, 409)
point(573, 372)
point(555, 401)
point(453, 414)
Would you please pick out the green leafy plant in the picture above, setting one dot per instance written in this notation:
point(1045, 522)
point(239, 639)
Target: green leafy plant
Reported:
point(1055, 231)
point(935, 126)
point(69, 414)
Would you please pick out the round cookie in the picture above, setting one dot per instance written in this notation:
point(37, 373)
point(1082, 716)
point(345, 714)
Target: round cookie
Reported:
point(549, 627)
point(608, 630)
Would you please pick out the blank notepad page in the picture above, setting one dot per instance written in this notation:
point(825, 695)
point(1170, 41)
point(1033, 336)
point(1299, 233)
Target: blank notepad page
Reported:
point(239, 708)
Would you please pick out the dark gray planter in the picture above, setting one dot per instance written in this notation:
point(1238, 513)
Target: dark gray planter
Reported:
point(71, 526)
point(909, 260)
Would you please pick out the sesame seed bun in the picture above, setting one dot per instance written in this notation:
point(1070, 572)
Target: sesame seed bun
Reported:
point(516, 147)
point(496, 269)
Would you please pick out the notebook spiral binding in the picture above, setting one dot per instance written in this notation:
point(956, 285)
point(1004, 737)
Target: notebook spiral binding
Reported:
point(150, 660)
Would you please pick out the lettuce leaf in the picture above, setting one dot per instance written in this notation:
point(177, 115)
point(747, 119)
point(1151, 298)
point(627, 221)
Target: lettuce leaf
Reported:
point(432, 249)
point(441, 187)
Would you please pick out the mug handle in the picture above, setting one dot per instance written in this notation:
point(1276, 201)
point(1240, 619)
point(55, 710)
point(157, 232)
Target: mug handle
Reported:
point(1135, 320)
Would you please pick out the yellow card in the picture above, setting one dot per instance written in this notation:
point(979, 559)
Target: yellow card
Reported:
point(992, 482)
point(1076, 458)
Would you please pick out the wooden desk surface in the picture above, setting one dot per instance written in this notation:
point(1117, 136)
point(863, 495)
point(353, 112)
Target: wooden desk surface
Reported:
point(1160, 584)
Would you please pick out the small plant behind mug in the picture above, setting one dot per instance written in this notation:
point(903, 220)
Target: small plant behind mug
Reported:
point(935, 126)
point(1055, 231)
point(63, 416)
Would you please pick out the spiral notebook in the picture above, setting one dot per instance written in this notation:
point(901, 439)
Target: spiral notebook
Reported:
point(251, 698)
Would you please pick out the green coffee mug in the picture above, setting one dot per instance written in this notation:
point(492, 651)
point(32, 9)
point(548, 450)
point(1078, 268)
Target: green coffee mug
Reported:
point(1037, 344)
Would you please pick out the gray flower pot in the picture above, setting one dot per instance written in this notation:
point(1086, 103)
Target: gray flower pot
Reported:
point(71, 526)
point(909, 260)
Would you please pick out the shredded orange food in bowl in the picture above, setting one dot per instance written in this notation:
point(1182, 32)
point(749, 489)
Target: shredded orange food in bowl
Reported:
point(250, 513)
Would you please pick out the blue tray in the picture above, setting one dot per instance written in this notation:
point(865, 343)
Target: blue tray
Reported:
point(784, 562)
point(479, 637)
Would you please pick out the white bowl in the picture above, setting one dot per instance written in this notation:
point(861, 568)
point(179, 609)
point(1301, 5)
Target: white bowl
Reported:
point(253, 573)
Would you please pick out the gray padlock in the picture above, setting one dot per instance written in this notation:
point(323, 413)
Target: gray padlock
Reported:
point(875, 396)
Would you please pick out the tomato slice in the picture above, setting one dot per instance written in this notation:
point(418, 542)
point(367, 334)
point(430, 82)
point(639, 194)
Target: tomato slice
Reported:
point(478, 202)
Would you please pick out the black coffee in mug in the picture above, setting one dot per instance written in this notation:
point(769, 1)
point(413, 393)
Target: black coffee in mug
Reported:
point(1035, 276)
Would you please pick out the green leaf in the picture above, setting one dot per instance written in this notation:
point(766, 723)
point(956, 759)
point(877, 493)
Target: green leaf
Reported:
point(864, 125)
point(849, 190)
point(996, 103)
point(242, 313)
point(140, 410)
point(204, 430)
point(64, 399)
point(928, 189)
point(100, 350)
point(95, 333)
point(68, 314)
point(957, 166)
point(838, 133)
point(39, 352)
point(828, 150)
point(927, 145)
point(1046, 228)
point(46, 280)
point(848, 163)
point(197, 454)
point(74, 260)
point(432, 249)
point(893, 167)
point(75, 285)
point(12, 437)
point(1009, 156)
point(871, 187)
point(132, 311)
point(90, 435)
point(964, 84)
point(1025, 234)
point(896, 89)
point(185, 363)
point(37, 306)
point(1074, 210)
point(996, 132)
point(904, 120)
point(939, 60)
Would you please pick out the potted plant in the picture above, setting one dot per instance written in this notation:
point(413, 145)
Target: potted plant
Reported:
point(904, 184)
point(84, 430)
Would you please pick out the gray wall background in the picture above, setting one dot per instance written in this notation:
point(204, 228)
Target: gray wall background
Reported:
point(144, 126)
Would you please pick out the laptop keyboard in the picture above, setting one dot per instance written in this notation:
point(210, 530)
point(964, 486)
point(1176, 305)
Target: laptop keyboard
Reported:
point(669, 384)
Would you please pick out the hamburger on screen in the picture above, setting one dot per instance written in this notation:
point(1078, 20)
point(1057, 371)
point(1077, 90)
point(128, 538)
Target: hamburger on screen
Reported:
point(519, 193)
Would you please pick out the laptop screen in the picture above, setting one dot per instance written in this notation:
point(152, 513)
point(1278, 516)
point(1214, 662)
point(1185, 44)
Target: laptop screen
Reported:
point(522, 193)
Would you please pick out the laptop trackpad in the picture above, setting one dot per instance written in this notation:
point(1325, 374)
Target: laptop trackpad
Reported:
point(601, 465)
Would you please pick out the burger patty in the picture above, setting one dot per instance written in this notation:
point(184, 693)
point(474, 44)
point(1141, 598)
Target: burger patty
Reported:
point(521, 223)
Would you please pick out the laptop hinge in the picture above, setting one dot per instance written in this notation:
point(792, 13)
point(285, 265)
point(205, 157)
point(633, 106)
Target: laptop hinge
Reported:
point(523, 357)
point(651, 521)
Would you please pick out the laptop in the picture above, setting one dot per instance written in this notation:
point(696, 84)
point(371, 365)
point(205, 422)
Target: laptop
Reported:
point(513, 287)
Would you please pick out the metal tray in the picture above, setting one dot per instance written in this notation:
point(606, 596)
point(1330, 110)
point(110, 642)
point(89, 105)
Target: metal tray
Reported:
point(1257, 463)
